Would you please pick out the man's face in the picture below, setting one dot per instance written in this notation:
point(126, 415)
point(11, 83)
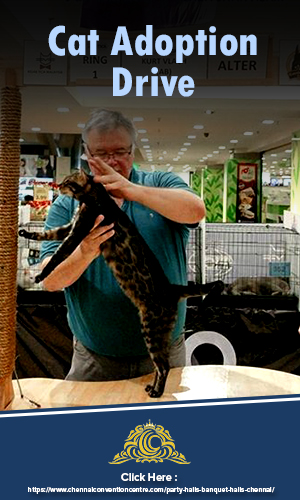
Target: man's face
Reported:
point(113, 147)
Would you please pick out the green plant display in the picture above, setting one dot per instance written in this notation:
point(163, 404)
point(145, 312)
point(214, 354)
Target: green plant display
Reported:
point(213, 194)
point(196, 182)
point(231, 166)
point(295, 181)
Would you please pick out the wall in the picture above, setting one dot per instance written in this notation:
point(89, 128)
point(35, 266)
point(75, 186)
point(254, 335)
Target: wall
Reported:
point(295, 177)
point(185, 176)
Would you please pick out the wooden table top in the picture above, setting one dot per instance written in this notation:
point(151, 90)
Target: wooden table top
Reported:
point(188, 383)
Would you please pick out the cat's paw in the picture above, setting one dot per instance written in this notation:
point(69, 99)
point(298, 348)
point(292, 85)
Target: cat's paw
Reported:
point(219, 286)
point(152, 392)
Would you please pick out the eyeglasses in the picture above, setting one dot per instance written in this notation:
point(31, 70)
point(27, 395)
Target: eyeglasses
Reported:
point(120, 154)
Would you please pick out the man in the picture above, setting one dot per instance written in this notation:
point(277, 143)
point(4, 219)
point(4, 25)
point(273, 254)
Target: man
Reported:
point(108, 344)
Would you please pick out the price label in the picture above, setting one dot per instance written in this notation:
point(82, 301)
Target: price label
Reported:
point(280, 269)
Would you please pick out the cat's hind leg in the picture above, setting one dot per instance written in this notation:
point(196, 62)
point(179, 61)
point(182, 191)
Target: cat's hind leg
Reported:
point(157, 326)
point(156, 389)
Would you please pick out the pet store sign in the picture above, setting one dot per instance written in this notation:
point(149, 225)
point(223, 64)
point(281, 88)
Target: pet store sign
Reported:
point(246, 206)
point(290, 62)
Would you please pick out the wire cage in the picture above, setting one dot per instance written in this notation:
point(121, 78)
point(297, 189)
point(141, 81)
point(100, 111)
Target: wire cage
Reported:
point(253, 259)
point(241, 255)
point(28, 258)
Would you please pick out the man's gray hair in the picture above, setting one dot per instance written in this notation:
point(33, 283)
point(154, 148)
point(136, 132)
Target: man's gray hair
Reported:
point(104, 120)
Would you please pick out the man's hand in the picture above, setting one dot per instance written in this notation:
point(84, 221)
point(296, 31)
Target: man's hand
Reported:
point(74, 266)
point(90, 245)
point(116, 184)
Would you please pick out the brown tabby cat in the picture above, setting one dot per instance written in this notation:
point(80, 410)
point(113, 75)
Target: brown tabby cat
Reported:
point(134, 265)
point(261, 285)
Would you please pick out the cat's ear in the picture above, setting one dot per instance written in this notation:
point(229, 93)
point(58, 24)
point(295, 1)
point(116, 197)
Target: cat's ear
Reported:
point(83, 176)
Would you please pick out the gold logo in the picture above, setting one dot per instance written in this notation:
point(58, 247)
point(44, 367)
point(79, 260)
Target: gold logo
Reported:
point(138, 446)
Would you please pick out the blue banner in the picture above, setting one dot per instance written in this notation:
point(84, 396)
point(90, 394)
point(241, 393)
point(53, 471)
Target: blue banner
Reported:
point(230, 448)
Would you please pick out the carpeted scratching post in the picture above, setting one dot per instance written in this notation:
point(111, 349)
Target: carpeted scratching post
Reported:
point(9, 188)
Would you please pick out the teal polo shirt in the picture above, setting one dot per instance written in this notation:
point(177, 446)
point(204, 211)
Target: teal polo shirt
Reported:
point(100, 315)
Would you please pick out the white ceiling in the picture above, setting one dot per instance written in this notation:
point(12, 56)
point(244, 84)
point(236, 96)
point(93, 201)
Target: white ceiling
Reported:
point(168, 121)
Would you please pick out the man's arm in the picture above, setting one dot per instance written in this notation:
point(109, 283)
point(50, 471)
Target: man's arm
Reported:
point(74, 266)
point(175, 204)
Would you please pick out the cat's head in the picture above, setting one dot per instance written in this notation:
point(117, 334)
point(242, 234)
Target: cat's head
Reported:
point(75, 185)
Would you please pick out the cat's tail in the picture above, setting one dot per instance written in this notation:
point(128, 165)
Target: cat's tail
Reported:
point(198, 290)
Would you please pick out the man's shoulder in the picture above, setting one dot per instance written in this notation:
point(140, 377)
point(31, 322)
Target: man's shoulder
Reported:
point(65, 201)
point(61, 211)
point(157, 178)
